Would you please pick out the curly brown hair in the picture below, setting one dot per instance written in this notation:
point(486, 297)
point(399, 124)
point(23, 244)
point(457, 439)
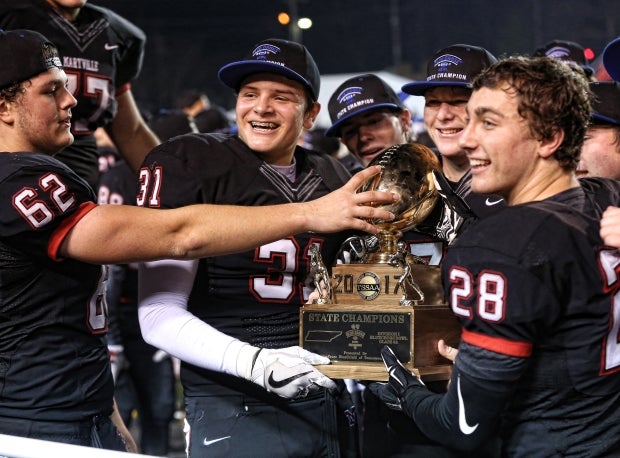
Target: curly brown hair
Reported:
point(552, 98)
point(10, 93)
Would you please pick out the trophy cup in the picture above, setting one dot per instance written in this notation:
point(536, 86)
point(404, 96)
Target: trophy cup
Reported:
point(389, 296)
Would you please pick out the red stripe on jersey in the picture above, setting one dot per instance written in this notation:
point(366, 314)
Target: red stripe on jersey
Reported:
point(122, 89)
point(58, 236)
point(497, 344)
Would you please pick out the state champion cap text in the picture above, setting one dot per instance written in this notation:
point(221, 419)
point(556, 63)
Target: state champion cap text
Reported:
point(456, 65)
point(358, 95)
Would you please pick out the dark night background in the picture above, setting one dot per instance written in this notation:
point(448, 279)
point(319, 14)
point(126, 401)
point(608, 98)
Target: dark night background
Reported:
point(189, 40)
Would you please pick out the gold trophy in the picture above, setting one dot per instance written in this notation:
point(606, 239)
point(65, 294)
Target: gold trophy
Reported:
point(389, 296)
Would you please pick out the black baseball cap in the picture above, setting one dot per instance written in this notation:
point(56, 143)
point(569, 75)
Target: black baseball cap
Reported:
point(611, 59)
point(25, 54)
point(567, 51)
point(274, 55)
point(456, 65)
point(357, 95)
point(606, 102)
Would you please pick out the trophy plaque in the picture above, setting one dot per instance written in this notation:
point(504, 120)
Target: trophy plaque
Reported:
point(388, 296)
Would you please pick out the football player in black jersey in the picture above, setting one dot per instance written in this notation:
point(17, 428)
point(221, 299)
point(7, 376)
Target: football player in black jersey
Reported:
point(368, 117)
point(54, 364)
point(226, 317)
point(533, 284)
point(102, 54)
point(446, 89)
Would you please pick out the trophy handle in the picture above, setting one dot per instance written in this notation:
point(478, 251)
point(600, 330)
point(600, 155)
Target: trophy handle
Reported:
point(320, 276)
point(406, 281)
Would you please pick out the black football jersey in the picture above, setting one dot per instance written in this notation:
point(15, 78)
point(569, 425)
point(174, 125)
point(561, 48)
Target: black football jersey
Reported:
point(536, 293)
point(118, 185)
point(101, 53)
point(54, 363)
point(254, 296)
point(480, 204)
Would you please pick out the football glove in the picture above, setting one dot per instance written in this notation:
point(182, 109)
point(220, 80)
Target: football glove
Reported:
point(400, 380)
point(287, 372)
point(355, 249)
point(451, 213)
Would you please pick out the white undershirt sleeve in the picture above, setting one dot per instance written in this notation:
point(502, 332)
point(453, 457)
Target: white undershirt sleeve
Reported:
point(163, 292)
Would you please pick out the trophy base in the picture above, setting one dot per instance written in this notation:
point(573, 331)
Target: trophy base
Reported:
point(376, 372)
point(352, 336)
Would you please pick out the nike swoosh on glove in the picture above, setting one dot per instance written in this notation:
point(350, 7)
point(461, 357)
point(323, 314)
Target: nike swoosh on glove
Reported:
point(288, 372)
point(400, 380)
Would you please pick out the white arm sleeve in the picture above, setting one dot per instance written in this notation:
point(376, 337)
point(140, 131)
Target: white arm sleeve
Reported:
point(163, 292)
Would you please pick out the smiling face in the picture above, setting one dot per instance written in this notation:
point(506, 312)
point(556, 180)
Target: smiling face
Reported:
point(369, 133)
point(445, 117)
point(502, 151)
point(272, 112)
point(41, 115)
point(600, 154)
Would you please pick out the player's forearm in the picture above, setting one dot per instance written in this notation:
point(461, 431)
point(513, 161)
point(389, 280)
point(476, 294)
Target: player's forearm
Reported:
point(241, 228)
point(115, 234)
point(232, 228)
point(163, 293)
point(184, 336)
point(130, 133)
point(465, 418)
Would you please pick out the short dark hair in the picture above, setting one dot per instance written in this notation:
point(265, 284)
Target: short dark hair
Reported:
point(552, 98)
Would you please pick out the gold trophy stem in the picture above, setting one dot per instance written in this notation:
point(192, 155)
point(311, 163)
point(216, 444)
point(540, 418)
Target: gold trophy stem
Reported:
point(388, 241)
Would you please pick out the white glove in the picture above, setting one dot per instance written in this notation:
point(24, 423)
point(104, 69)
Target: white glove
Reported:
point(287, 372)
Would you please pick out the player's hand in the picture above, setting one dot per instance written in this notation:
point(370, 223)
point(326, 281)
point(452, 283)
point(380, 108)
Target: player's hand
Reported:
point(400, 380)
point(446, 350)
point(287, 372)
point(610, 227)
point(345, 208)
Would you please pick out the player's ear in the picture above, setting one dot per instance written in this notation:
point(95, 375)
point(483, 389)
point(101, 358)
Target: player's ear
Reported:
point(311, 115)
point(6, 112)
point(549, 146)
point(405, 119)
